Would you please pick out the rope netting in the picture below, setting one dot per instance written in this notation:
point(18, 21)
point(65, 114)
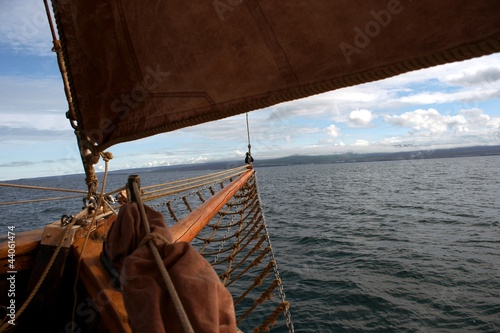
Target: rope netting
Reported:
point(236, 242)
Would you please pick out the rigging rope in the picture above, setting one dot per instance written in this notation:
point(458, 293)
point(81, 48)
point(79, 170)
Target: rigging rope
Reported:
point(197, 178)
point(32, 187)
point(42, 277)
point(248, 158)
point(106, 157)
point(194, 185)
point(248, 135)
point(38, 200)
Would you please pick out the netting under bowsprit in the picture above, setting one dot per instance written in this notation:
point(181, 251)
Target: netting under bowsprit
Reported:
point(235, 241)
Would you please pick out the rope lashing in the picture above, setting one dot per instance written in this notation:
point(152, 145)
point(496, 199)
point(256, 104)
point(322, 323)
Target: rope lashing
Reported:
point(106, 157)
point(62, 67)
point(153, 235)
point(57, 250)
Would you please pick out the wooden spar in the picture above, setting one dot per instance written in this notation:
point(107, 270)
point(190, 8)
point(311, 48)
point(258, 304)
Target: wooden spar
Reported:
point(27, 243)
point(99, 284)
point(187, 228)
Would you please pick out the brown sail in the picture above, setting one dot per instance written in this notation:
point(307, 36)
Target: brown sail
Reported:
point(141, 68)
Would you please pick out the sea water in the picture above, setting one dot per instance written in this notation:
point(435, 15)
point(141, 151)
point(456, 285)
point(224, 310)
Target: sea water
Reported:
point(400, 246)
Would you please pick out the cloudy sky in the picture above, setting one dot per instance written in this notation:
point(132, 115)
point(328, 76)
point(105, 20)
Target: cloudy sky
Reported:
point(446, 106)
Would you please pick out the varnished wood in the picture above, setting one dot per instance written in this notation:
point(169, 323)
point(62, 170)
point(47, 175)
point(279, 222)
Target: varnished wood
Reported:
point(107, 300)
point(27, 244)
point(187, 228)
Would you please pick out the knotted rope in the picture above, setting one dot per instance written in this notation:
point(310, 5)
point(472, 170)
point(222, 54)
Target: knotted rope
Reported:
point(106, 157)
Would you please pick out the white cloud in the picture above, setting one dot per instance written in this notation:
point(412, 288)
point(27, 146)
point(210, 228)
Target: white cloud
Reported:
point(40, 122)
point(198, 159)
point(333, 130)
point(362, 143)
point(466, 82)
point(469, 95)
point(467, 127)
point(392, 140)
point(481, 76)
point(360, 118)
point(426, 120)
point(475, 116)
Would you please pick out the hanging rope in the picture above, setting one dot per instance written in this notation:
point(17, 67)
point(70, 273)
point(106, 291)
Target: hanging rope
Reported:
point(248, 135)
point(62, 67)
point(106, 157)
point(88, 150)
point(42, 277)
point(248, 158)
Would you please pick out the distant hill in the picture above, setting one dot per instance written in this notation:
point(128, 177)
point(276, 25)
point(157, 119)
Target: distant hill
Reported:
point(326, 159)
point(372, 157)
point(318, 159)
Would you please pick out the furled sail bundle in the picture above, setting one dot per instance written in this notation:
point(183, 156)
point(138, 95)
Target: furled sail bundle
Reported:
point(137, 69)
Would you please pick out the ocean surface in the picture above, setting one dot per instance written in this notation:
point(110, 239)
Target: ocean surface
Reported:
point(400, 246)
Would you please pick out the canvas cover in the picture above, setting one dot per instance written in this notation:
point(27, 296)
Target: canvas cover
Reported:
point(138, 68)
point(208, 304)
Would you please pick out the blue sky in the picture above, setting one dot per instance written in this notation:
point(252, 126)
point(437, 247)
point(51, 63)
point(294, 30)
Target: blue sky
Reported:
point(445, 106)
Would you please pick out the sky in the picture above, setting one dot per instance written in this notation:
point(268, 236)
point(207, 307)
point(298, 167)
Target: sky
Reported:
point(446, 106)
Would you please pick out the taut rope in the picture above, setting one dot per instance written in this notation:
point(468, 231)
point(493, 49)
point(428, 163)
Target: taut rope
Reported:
point(248, 135)
point(44, 188)
point(38, 200)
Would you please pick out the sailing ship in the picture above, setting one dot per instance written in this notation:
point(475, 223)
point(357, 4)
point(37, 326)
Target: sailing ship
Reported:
point(132, 70)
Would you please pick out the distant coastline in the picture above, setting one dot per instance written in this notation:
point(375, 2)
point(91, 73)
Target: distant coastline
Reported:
point(392, 156)
point(347, 157)
point(336, 158)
